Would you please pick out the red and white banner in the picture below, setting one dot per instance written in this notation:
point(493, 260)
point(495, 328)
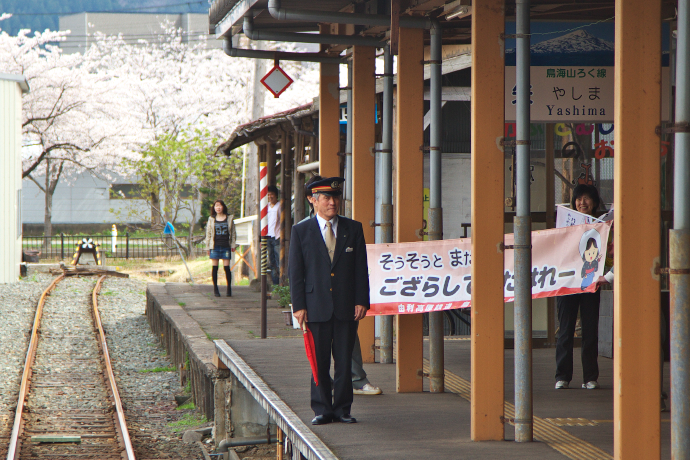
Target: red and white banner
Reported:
point(263, 203)
point(437, 275)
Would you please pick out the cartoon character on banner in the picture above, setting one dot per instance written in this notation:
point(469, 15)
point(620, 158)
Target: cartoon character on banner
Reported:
point(586, 175)
point(591, 255)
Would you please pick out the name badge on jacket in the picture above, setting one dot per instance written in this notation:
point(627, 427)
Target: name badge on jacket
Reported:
point(349, 250)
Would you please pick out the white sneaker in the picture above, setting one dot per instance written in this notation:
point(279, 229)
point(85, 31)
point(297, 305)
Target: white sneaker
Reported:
point(367, 389)
point(592, 385)
point(562, 385)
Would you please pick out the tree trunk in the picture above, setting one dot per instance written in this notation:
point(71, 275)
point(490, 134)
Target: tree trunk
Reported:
point(47, 212)
point(48, 209)
point(50, 185)
point(155, 207)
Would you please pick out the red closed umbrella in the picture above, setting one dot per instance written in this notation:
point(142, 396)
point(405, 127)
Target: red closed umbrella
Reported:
point(310, 349)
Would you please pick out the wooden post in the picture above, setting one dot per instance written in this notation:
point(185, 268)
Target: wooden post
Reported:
point(637, 112)
point(488, 166)
point(363, 164)
point(298, 179)
point(271, 160)
point(409, 189)
point(329, 117)
point(285, 202)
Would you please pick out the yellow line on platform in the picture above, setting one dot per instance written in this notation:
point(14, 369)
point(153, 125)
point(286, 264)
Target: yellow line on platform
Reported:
point(544, 431)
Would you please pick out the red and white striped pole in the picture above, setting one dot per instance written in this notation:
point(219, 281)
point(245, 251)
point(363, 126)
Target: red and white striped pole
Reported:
point(263, 187)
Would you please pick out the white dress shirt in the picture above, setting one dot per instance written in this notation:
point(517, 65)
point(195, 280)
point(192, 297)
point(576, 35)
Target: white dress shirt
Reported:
point(324, 228)
point(274, 220)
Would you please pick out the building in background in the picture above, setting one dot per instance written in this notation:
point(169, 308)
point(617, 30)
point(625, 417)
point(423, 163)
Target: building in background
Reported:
point(133, 27)
point(11, 89)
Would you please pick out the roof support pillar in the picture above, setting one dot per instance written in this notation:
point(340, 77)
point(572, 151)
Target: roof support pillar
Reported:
point(363, 164)
point(329, 118)
point(679, 249)
point(409, 193)
point(637, 112)
point(488, 165)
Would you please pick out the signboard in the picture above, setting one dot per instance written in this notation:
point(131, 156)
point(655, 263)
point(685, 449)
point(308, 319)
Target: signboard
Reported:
point(276, 81)
point(407, 278)
point(573, 93)
point(572, 73)
point(566, 217)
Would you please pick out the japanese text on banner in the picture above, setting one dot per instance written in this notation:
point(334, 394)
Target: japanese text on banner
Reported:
point(436, 275)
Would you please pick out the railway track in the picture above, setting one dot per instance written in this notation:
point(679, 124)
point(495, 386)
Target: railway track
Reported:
point(68, 405)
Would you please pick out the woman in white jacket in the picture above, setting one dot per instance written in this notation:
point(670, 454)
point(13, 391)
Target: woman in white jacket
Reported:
point(220, 241)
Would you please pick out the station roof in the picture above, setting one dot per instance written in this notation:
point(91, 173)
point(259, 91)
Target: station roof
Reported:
point(260, 127)
point(226, 16)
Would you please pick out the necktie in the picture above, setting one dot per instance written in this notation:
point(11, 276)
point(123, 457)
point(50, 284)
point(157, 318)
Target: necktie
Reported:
point(330, 240)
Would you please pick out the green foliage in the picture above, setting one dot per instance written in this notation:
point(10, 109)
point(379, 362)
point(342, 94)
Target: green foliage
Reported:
point(187, 406)
point(158, 369)
point(173, 168)
point(189, 419)
point(283, 294)
point(226, 187)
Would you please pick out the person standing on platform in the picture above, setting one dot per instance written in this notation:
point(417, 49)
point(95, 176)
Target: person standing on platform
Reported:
point(274, 233)
point(585, 200)
point(329, 287)
point(220, 241)
point(360, 383)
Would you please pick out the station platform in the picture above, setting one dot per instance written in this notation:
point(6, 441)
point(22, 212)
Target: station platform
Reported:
point(574, 423)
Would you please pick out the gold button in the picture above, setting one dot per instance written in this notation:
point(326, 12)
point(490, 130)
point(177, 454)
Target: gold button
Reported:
point(330, 289)
point(332, 274)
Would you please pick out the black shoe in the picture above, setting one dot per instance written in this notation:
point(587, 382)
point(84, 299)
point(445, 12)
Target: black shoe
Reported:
point(215, 292)
point(347, 418)
point(321, 420)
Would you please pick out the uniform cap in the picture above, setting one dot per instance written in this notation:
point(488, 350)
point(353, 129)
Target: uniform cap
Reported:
point(330, 186)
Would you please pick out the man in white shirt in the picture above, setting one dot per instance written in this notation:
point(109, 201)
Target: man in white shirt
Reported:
point(274, 233)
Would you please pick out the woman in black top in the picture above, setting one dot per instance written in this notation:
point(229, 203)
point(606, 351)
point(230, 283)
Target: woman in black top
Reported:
point(220, 241)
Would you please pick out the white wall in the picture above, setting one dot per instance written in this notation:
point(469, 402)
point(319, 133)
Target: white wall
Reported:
point(456, 175)
point(11, 87)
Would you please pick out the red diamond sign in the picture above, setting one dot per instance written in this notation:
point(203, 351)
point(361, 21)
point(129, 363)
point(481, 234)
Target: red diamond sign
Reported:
point(276, 81)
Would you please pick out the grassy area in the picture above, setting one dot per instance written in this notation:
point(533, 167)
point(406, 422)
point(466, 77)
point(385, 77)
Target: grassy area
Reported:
point(158, 369)
point(187, 406)
point(189, 419)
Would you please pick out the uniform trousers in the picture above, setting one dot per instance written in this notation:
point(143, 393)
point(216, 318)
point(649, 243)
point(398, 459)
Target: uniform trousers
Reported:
point(568, 305)
point(337, 338)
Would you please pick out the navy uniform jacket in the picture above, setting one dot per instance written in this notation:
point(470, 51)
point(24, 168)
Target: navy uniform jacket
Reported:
point(324, 288)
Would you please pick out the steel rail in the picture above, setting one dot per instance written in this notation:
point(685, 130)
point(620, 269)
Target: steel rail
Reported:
point(26, 375)
point(121, 424)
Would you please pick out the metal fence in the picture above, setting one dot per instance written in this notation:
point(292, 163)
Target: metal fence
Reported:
point(64, 246)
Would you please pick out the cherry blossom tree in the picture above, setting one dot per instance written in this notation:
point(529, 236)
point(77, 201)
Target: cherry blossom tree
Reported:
point(100, 111)
point(65, 128)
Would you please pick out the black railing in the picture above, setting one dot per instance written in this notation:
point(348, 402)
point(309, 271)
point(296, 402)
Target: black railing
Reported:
point(64, 246)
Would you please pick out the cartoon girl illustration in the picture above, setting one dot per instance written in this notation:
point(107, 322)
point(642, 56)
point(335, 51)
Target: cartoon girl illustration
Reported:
point(589, 251)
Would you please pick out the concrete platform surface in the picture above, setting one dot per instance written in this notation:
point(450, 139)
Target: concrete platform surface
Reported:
point(574, 423)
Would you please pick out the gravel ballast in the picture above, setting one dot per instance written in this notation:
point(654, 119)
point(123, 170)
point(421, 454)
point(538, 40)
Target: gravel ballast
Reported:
point(146, 381)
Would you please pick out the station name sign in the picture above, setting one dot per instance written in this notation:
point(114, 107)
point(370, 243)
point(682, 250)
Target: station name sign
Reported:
point(572, 94)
